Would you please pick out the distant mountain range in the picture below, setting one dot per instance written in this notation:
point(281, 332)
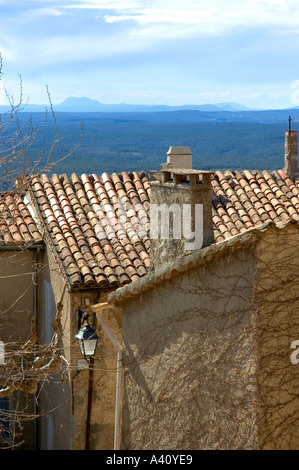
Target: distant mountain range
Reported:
point(85, 105)
point(135, 138)
point(88, 109)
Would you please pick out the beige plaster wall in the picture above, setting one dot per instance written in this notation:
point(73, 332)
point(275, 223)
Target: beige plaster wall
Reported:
point(16, 319)
point(277, 300)
point(55, 425)
point(103, 386)
point(16, 294)
point(67, 402)
point(190, 360)
point(63, 399)
point(61, 405)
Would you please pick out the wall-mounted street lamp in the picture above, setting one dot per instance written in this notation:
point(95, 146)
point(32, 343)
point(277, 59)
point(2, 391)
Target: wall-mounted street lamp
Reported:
point(88, 339)
point(87, 335)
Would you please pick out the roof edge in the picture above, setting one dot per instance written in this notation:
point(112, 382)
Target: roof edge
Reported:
point(22, 245)
point(193, 260)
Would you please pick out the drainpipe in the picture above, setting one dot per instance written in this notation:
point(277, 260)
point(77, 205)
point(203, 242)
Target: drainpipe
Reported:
point(119, 373)
point(89, 402)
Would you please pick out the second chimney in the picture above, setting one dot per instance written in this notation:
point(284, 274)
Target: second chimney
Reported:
point(291, 154)
point(179, 157)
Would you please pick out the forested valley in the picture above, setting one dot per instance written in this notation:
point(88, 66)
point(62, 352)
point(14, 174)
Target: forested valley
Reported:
point(117, 142)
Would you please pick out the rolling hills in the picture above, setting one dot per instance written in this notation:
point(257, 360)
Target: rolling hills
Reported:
point(136, 141)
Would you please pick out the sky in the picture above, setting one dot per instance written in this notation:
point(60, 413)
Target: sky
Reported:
point(173, 52)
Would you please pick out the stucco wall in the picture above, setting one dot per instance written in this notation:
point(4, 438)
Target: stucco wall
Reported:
point(190, 359)
point(54, 400)
point(103, 386)
point(277, 301)
point(64, 405)
point(92, 386)
point(63, 398)
point(16, 296)
point(16, 317)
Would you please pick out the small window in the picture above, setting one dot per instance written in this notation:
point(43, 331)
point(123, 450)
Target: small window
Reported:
point(4, 418)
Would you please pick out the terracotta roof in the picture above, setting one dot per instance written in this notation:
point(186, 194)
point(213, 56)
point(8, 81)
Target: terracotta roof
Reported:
point(79, 213)
point(17, 226)
point(243, 200)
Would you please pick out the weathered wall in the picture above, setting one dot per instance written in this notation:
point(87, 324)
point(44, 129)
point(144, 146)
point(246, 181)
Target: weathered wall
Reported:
point(277, 301)
point(54, 400)
point(103, 386)
point(65, 406)
point(16, 318)
point(190, 359)
point(173, 199)
point(16, 296)
point(93, 432)
point(206, 357)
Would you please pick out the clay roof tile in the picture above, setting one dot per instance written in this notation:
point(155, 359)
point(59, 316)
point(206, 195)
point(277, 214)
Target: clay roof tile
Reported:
point(84, 215)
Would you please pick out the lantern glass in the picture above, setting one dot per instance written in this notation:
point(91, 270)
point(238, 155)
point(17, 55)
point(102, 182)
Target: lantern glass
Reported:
point(88, 346)
point(88, 338)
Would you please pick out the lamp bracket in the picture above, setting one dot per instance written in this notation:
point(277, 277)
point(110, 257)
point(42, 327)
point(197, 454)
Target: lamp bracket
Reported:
point(82, 317)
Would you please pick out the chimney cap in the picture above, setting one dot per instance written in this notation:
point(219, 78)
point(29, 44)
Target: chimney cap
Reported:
point(179, 157)
point(179, 151)
point(186, 171)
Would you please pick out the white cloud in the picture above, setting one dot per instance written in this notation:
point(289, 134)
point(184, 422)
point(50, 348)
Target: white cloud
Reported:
point(64, 49)
point(119, 5)
point(34, 39)
point(218, 17)
point(48, 12)
point(8, 48)
point(182, 11)
point(171, 16)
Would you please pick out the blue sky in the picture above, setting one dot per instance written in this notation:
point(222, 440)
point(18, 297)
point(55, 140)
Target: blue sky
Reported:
point(152, 51)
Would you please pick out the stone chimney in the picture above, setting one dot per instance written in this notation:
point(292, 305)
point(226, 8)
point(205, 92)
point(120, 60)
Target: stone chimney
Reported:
point(291, 154)
point(180, 210)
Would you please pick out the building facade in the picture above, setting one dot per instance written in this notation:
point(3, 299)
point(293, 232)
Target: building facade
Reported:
point(194, 339)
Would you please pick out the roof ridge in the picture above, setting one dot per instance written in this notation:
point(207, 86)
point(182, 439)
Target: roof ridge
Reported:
point(193, 260)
